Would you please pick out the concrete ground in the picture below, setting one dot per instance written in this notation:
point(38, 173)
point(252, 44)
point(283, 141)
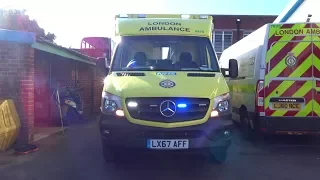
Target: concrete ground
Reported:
point(77, 155)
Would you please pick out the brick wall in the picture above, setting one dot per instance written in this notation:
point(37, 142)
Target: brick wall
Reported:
point(24, 77)
point(42, 92)
point(98, 86)
point(86, 80)
point(248, 23)
point(69, 72)
point(66, 72)
point(17, 82)
point(61, 71)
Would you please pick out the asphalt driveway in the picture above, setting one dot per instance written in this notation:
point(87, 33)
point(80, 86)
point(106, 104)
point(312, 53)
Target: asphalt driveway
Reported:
point(77, 155)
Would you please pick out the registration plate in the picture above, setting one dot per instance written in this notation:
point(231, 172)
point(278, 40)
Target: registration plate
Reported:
point(294, 106)
point(167, 143)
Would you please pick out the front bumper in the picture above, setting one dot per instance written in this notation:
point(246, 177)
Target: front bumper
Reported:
point(119, 132)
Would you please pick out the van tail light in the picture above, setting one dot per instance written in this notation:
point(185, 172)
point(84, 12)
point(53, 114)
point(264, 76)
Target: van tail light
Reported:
point(259, 96)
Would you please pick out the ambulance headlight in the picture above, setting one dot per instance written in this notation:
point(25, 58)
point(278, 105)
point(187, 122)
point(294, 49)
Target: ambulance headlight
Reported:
point(222, 105)
point(110, 103)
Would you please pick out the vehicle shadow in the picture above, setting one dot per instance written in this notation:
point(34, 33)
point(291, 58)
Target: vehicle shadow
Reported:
point(165, 165)
point(288, 144)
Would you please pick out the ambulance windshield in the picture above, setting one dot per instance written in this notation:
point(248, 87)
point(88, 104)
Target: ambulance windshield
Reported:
point(163, 53)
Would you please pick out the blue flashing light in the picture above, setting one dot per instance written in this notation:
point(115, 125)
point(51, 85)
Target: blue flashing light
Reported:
point(182, 105)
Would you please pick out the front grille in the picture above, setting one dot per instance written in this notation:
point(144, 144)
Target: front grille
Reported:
point(131, 74)
point(149, 109)
point(201, 75)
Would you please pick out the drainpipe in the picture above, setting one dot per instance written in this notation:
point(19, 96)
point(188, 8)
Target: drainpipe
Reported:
point(238, 23)
point(92, 90)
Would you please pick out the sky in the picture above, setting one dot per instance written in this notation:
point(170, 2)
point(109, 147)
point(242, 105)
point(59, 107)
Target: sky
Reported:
point(71, 20)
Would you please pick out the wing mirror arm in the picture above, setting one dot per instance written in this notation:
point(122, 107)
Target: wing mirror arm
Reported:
point(103, 64)
point(232, 70)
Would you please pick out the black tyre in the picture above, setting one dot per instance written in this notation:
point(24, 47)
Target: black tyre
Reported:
point(236, 123)
point(245, 127)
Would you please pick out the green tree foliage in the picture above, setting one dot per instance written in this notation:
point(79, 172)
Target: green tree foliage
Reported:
point(19, 20)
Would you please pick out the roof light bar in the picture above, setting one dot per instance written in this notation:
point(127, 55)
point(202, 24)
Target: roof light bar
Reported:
point(123, 16)
point(142, 15)
point(185, 16)
point(203, 16)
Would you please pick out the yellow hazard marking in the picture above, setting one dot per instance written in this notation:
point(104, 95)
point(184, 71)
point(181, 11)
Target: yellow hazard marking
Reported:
point(297, 32)
point(316, 108)
point(316, 61)
point(276, 47)
point(300, 93)
point(282, 65)
point(297, 73)
point(312, 35)
point(284, 85)
point(307, 109)
point(300, 48)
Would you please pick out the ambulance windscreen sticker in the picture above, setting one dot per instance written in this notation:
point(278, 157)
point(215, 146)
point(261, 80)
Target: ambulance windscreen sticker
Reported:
point(291, 60)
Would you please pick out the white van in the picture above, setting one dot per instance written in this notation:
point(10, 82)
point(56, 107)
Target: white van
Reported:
point(277, 90)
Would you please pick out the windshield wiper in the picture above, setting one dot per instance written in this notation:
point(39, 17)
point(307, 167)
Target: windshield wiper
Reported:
point(190, 69)
point(138, 68)
point(151, 68)
point(208, 69)
point(199, 69)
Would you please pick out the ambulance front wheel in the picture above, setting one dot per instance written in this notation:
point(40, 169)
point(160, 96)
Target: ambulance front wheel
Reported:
point(219, 154)
point(110, 154)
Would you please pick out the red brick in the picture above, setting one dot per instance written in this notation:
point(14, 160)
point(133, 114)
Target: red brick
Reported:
point(27, 82)
point(4, 69)
point(248, 23)
point(27, 85)
point(16, 61)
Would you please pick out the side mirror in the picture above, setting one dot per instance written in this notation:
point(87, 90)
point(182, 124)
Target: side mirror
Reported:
point(103, 65)
point(223, 71)
point(233, 68)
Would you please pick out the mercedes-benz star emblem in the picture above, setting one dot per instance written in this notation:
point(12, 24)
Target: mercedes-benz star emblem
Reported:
point(167, 83)
point(167, 108)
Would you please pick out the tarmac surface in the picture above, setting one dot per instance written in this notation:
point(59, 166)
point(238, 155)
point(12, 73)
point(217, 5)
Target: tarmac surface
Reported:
point(77, 156)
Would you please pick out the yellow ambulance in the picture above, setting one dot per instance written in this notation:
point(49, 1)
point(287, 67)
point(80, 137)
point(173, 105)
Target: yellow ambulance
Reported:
point(164, 89)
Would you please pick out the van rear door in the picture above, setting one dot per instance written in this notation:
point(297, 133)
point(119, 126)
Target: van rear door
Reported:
point(289, 75)
point(316, 69)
